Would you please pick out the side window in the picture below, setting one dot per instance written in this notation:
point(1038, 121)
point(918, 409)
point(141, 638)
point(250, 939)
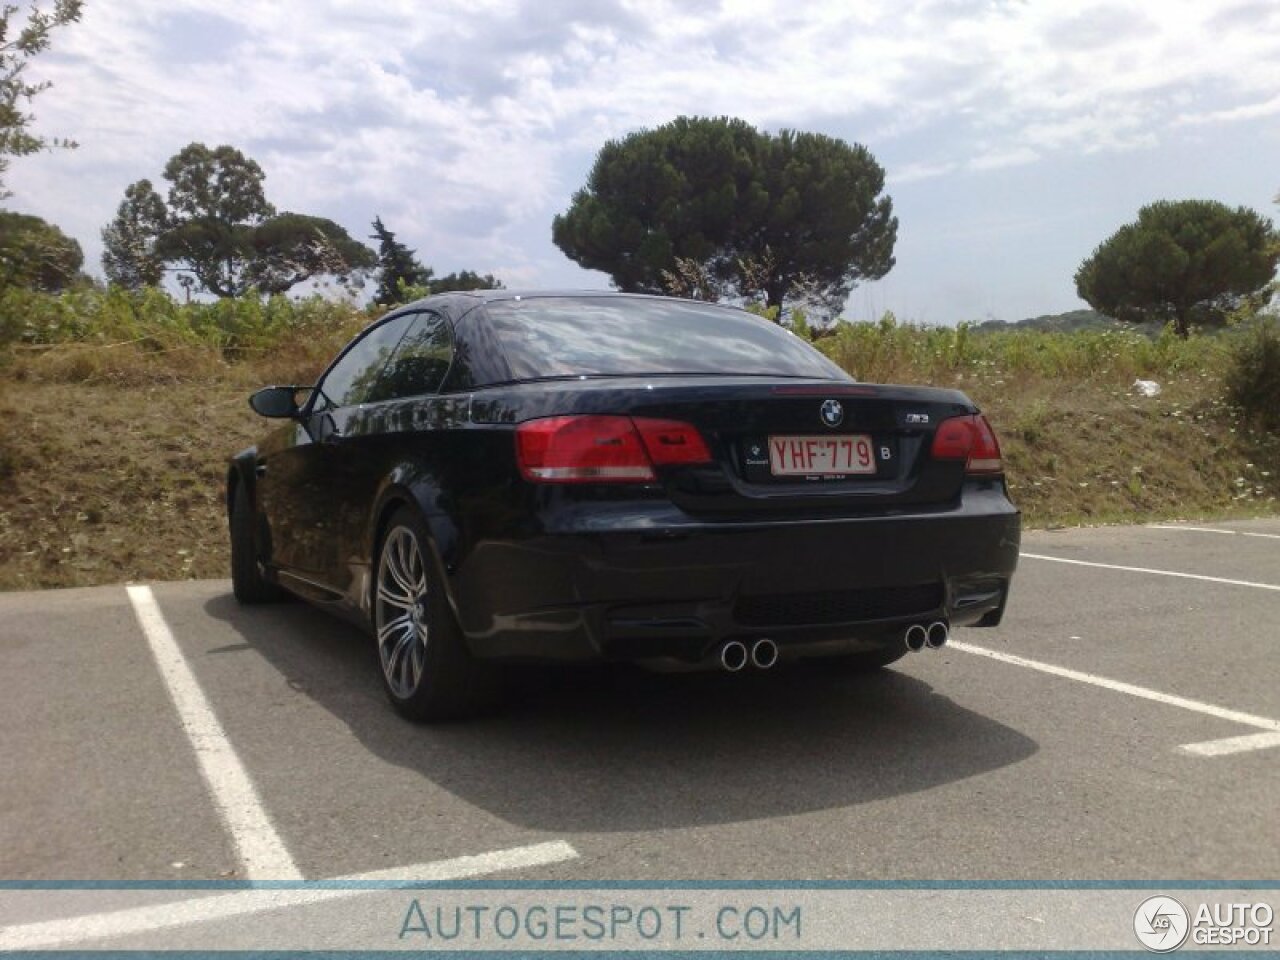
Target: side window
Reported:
point(420, 362)
point(354, 378)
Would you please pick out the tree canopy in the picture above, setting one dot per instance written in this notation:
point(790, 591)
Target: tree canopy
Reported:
point(129, 255)
point(1182, 263)
point(398, 267)
point(465, 280)
point(219, 229)
point(289, 248)
point(37, 255)
point(16, 93)
point(402, 277)
point(758, 215)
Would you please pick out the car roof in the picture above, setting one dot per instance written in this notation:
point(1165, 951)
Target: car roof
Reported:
point(468, 298)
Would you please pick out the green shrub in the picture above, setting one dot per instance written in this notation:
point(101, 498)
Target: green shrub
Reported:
point(154, 318)
point(148, 336)
point(1253, 374)
point(94, 333)
point(890, 351)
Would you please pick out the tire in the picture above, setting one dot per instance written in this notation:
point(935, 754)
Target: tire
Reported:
point(247, 582)
point(427, 672)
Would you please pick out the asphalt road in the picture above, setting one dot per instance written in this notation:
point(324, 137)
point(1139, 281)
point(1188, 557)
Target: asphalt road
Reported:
point(1053, 747)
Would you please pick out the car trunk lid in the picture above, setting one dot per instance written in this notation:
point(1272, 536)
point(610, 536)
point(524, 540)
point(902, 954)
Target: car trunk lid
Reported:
point(779, 446)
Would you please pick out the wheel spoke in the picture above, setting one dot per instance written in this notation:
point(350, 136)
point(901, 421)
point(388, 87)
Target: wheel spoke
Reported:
point(405, 549)
point(391, 626)
point(392, 646)
point(418, 656)
point(396, 660)
point(399, 601)
point(404, 654)
point(396, 565)
point(416, 573)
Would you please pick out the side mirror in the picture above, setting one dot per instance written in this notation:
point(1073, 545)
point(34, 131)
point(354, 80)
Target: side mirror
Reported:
point(279, 402)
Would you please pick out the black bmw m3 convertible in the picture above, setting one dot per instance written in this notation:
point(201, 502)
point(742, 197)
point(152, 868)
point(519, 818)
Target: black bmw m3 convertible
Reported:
point(503, 476)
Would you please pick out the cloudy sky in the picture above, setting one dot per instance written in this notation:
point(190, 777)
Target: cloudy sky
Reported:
point(1017, 134)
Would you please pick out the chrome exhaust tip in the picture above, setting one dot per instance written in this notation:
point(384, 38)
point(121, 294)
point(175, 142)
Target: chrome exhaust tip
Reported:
point(938, 635)
point(733, 656)
point(764, 653)
point(915, 638)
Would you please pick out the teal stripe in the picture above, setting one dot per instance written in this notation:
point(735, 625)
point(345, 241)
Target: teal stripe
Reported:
point(624, 954)
point(410, 884)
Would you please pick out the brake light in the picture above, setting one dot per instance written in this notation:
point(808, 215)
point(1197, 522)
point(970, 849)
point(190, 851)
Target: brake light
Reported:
point(604, 449)
point(670, 441)
point(971, 439)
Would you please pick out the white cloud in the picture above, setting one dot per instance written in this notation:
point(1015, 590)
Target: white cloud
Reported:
point(1247, 111)
point(468, 125)
point(1003, 158)
point(911, 172)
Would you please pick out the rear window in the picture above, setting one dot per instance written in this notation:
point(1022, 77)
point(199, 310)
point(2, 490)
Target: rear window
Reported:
point(622, 336)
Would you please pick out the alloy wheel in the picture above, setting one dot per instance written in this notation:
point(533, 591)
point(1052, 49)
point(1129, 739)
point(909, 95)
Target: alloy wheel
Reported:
point(401, 612)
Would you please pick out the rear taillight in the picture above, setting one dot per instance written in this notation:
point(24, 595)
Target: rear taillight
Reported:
point(604, 449)
point(971, 439)
point(672, 442)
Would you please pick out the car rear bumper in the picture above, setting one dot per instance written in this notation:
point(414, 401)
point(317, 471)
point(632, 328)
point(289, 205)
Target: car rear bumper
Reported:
point(678, 591)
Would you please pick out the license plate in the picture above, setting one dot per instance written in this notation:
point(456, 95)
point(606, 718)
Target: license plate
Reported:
point(821, 456)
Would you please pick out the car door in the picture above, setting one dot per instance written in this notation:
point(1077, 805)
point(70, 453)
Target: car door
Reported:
point(382, 434)
point(309, 473)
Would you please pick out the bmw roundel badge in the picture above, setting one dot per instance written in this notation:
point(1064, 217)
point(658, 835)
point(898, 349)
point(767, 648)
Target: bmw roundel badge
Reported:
point(832, 413)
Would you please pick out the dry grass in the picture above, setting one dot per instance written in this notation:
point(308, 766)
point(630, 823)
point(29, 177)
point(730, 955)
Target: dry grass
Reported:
point(1080, 445)
point(112, 458)
point(105, 484)
point(1086, 452)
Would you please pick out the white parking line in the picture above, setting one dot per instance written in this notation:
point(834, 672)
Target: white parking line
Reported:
point(1209, 748)
point(1163, 573)
point(54, 934)
point(1229, 745)
point(1233, 533)
point(258, 846)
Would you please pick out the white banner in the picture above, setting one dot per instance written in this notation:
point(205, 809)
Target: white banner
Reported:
point(788, 918)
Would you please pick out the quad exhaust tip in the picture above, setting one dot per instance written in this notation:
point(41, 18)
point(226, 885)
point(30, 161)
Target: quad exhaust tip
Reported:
point(915, 638)
point(734, 656)
point(934, 636)
point(764, 653)
point(937, 635)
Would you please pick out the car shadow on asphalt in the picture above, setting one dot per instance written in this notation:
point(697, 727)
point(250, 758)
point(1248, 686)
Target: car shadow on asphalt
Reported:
point(616, 748)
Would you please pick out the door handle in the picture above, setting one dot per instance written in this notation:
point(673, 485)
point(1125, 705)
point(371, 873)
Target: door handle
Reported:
point(260, 469)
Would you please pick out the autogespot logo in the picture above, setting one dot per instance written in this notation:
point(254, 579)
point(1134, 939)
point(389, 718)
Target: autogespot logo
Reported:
point(1161, 924)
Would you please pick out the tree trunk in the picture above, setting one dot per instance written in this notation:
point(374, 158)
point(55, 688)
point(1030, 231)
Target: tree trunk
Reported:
point(774, 294)
point(1181, 324)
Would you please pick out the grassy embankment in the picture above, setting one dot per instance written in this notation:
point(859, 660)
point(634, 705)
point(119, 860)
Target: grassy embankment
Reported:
point(118, 415)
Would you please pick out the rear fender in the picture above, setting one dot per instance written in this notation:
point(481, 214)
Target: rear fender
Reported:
point(406, 487)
